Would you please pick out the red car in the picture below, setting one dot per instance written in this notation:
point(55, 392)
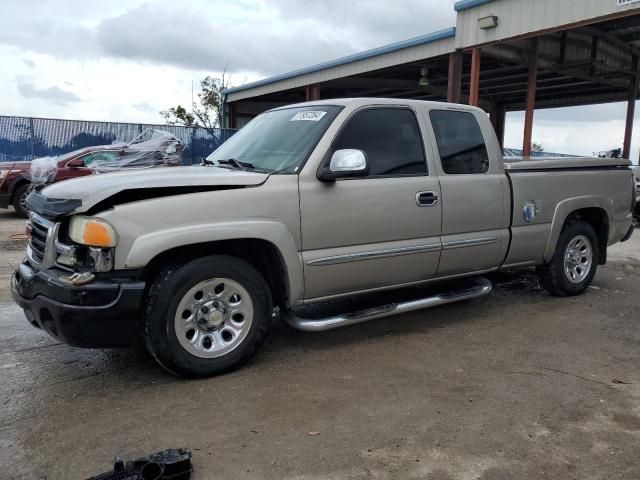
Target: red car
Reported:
point(17, 179)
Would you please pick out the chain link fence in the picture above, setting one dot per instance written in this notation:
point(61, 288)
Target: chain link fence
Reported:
point(26, 138)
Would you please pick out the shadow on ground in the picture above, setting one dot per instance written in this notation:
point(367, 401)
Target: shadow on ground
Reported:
point(516, 385)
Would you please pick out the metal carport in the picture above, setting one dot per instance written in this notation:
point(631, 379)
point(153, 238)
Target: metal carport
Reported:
point(503, 55)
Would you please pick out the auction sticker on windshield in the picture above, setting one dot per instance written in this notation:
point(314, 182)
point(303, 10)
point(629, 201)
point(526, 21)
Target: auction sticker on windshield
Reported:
point(313, 115)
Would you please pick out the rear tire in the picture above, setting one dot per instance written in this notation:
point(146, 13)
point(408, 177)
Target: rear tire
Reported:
point(19, 200)
point(574, 261)
point(207, 317)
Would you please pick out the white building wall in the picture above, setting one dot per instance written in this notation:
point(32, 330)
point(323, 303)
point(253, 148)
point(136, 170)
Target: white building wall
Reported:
point(521, 17)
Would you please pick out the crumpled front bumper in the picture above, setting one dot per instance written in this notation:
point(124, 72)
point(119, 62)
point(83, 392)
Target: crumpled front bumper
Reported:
point(101, 314)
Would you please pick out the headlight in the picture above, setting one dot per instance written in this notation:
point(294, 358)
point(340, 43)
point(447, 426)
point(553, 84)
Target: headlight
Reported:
point(4, 173)
point(92, 231)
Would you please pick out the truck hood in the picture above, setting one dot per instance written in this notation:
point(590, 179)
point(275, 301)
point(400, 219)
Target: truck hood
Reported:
point(83, 193)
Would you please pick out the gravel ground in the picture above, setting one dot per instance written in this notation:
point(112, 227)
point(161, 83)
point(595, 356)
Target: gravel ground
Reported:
point(516, 385)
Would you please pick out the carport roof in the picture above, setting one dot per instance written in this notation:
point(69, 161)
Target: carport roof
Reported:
point(412, 42)
point(584, 64)
point(393, 47)
point(467, 4)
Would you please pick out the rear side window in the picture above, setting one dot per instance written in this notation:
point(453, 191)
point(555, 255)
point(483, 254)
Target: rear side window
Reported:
point(460, 142)
point(389, 137)
point(99, 156)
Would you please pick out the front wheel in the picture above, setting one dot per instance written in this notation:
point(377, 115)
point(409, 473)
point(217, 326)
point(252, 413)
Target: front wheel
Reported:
point(20, 199)
point(574, 261)
point(207, 317)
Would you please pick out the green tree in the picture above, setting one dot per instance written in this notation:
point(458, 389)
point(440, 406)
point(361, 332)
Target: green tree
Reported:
point(207, 110)
point(537, 147)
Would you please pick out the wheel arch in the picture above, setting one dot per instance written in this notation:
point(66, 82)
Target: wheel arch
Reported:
point(17, 183)
point(595, 210)
point(264, 255)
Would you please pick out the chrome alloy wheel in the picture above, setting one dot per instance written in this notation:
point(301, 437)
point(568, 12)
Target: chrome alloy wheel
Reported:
point(213, 317)
point(23, 199)
point(578, 259)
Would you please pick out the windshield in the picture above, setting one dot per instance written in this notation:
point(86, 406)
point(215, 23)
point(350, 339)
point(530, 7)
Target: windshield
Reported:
point(278, 141)
point(67, 156)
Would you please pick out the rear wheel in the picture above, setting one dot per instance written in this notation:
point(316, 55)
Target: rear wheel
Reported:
point(20, 199)
point(574, 261)
point(207, 317)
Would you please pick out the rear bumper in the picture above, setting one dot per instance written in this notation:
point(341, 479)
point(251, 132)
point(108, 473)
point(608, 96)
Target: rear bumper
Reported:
point(5, 200)
point(101, 314)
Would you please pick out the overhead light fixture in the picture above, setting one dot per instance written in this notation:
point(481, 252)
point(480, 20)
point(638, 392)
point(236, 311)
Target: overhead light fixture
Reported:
point(486, 23)
point(424, 77)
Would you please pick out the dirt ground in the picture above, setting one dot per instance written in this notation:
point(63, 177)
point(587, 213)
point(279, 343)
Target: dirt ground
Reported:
point(516, 385)
point(12, 229)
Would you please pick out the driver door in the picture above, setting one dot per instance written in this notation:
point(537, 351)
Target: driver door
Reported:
point(379, 230)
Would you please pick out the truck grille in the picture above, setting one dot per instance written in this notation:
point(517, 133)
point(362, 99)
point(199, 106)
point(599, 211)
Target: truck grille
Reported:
point(39, 231)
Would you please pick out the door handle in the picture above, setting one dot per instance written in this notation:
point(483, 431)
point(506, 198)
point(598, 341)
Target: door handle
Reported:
point(427, 199)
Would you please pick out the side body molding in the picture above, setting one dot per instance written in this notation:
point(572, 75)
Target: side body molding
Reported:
point(147, 246)
point(564, 209)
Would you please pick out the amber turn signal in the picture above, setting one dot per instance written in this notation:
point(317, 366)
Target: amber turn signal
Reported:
point(92, 231)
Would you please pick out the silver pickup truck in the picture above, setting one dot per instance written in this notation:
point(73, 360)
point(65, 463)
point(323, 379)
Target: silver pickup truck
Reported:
point(309, 203)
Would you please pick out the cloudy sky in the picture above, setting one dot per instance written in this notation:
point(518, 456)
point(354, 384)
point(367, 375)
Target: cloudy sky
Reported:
point(124, 60)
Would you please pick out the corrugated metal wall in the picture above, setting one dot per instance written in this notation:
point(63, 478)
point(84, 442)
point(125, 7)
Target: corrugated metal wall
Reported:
point(516, 153)
point(518, 17)
point(24, 138)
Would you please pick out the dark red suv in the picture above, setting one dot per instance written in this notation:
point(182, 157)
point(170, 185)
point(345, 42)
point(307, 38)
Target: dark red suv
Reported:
point(15, 178)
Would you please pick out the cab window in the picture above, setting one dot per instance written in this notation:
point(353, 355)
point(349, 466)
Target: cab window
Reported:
point(99, 156)
point(460, 142)
point(390, 139)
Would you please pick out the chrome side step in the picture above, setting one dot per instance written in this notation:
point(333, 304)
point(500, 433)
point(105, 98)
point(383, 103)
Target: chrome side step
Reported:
point(481, 288)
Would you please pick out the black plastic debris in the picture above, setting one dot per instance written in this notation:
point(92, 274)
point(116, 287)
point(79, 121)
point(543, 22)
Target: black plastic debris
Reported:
point(172, 464)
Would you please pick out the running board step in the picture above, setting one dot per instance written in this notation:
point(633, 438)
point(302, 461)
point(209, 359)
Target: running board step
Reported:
point(480, 287)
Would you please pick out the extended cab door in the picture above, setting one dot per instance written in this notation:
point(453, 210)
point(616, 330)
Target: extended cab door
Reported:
point(374, 231)
point(475, 194)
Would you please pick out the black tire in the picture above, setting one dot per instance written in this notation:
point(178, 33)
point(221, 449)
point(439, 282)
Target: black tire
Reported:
point(18, 199)
point(553, 276)
point(169, 289)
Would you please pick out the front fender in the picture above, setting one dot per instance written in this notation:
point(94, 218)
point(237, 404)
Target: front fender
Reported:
point(566, 207)
point(147, 246)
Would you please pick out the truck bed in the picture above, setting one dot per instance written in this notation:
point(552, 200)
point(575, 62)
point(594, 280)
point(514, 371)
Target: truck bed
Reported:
point(550, 163)
point(553, 187)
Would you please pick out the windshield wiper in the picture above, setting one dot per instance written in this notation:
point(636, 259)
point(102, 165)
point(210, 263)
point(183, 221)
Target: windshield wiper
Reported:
point(236, 163)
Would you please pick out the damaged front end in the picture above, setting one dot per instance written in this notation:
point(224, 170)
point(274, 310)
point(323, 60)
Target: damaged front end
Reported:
point(49, 207)
point(71, 283)
point(68, 286)
point(51, 245)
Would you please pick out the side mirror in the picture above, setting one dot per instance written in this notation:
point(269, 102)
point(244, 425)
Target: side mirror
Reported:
point(75, 163)
point(344, 164)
